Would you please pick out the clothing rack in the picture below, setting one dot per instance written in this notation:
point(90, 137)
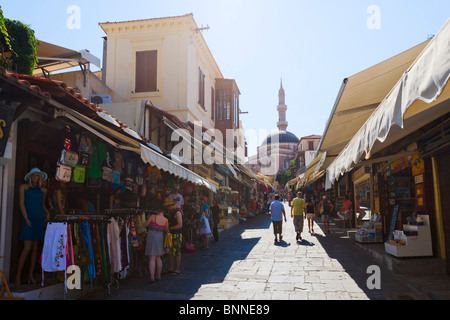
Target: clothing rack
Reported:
point(122, 212)
point(78, 217)
point(83, 212)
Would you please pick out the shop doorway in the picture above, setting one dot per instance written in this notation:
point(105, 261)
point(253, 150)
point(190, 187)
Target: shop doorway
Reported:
point(362, 200)
point(444, 184)
point(35, 149)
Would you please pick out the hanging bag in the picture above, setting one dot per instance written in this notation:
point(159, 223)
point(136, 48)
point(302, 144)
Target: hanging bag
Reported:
point(84, 159)
point(63, 172)
point(69, 158)
point(84, 154)
point(107, 173)
point(79, 174)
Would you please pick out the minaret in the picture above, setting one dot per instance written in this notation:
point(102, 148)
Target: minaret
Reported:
point(282, 108)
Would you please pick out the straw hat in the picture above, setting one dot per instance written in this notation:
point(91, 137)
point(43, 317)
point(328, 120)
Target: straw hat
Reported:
point(168, 202)
point(36, 170)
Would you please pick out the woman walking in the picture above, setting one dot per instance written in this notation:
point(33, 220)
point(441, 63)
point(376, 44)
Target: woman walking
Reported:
point(310, 213)
point(156, 225)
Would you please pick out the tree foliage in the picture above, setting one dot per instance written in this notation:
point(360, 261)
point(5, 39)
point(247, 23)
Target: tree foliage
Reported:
point(18, 39)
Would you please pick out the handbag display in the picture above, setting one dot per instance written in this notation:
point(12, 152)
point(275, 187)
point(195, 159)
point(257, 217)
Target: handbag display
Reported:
point(84, 159)
point(79, 174)
point(63, 173)
point(84, 154)
point(69, 158)
point(107, 173)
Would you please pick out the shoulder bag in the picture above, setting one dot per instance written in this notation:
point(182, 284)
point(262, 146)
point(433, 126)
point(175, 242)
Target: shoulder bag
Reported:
point(69, 158)
point(63, 172)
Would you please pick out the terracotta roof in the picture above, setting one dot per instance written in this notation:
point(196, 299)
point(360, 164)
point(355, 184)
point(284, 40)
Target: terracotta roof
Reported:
point(62, 93)
point(313, 136)
point(166, 114)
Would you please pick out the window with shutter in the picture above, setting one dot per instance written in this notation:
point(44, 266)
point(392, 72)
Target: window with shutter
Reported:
point(146, 71)
point(213, 95)
point(201, 88)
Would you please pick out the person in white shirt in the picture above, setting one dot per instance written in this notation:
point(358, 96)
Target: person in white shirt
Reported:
point(177, 197)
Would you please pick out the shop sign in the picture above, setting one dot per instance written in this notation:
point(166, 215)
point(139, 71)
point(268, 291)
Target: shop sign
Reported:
point(202, 170)
point(6, 120)
point(418, 179)
point(400, 164)
point(418, 166)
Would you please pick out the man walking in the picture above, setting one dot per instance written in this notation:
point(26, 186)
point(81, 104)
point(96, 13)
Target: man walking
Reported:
point(277, 213)
point(297, 209)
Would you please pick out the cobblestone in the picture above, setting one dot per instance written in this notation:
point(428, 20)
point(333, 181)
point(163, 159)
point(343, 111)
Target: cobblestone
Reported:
point(246, 264)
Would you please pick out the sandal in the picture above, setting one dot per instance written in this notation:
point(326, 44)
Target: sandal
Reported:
point(175, 273)
point(167, 271)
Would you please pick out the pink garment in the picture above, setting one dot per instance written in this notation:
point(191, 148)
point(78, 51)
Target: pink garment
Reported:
point(70, 258)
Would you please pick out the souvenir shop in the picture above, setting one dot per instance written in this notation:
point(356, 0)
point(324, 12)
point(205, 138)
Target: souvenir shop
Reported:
point(98, 195)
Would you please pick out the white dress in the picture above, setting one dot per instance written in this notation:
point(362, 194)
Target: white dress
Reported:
point(204, 229)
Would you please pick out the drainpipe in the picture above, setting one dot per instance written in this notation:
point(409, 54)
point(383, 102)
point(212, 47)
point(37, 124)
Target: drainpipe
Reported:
point(438, 210)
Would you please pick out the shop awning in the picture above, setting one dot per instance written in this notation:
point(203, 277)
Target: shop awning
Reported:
point(357, 99)
point(419, 97)
point(290, 183)
point(53, 58)
point(157, 160)
point(103, 132)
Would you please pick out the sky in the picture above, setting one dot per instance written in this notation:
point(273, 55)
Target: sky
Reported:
point(311, 44)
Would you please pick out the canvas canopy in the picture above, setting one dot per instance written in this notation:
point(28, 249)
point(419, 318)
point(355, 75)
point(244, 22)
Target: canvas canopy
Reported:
point(419, 97)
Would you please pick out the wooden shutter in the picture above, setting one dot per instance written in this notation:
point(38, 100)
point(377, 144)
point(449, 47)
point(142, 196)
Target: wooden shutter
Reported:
point(213, 95)
point(146, 71)
point(201, 88)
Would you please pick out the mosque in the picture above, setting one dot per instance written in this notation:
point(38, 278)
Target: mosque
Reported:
point(278, 148)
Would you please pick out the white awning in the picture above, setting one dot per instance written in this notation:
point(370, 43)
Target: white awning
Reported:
point(165, 164)
point(408, 105)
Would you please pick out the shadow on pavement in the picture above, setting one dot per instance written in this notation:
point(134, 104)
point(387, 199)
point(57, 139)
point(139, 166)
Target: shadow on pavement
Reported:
point(356, 263)
point(199, 268)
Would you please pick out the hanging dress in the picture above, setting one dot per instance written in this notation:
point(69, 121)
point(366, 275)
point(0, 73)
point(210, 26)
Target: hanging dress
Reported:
point(54, 252)
point(87, 238)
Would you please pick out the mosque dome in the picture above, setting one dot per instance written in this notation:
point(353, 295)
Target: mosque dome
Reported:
point(280, 137)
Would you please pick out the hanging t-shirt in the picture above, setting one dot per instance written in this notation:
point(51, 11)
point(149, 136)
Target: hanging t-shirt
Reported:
point(154, 174)
point(97, 158)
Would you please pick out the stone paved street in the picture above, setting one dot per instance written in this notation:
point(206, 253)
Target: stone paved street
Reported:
point(246, 264)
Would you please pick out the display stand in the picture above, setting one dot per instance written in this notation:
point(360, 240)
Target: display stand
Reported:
point(413, 241)
point(371, 231)
point(370, 234)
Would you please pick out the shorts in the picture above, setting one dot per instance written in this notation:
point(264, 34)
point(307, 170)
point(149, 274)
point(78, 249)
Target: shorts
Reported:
point(310, 215)
point(277, 226)
point(325, 217)
point(298, 223)
point(177, 240)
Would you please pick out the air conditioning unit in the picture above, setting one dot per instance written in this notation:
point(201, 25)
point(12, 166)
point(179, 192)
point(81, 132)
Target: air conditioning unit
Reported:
point(101, 98)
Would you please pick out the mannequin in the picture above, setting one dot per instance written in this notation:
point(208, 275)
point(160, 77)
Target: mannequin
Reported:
point(58, 200)
point(32, 206)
